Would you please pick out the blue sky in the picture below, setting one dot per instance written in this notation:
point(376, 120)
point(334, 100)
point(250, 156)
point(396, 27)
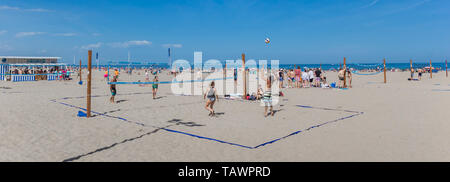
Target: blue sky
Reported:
point(301, 31)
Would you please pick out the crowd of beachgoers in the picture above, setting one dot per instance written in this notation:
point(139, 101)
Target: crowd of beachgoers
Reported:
point(287, 79)
point(28, 71)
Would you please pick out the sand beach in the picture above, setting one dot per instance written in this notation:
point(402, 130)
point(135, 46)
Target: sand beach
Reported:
point(398, 121)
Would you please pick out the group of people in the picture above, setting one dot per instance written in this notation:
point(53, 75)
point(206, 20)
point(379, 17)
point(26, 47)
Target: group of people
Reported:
point(342, 74)
point(265, 96)
point(41, 73)
point(296, 78)
point(113, 88)
point(419, 73)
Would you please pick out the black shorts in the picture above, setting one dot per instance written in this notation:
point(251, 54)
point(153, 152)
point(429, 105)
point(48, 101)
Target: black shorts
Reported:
point(341, 78)
point(311, 80)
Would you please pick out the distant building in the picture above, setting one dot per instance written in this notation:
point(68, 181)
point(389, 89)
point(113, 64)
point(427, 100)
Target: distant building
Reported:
point(27, 60)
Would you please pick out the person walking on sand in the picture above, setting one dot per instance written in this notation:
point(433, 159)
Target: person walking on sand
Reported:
point(267, 96)
point(419, 74)
point(349, 76)
point(281, 77)
point(105, 76)
point(116, 73)
point(112, 87)
point(155, 86)
point(212, 96)
point(147, 78)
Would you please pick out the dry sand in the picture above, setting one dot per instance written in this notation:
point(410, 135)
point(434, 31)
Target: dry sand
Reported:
point(399, 121)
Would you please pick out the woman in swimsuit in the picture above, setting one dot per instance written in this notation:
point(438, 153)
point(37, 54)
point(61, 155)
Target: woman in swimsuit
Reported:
point(281, 75)
point(155, 86)
point(113, 90)
point(298, 79)
point(349, 76)
point(212, 97)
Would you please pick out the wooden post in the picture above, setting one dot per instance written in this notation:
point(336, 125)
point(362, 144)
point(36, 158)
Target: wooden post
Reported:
point(89, 76)
point(80, 71)
point(446, 69)
point(384, 65)
point(431, 70)
point(245, 77)
point(345, 75)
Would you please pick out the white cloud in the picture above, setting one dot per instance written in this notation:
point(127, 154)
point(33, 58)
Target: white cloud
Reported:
point(24, 34)
point(38, 10)
point(3, 32)
point(371, 4)
point(65, 34)
point(20, 9)
point(130, 43)
point(91, 46)
point(9, 8)
point(172, 45)
point(5, 47)
point(411, 6)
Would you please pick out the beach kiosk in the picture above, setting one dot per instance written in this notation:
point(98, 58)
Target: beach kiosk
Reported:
point(32, 72)
point(22, 69)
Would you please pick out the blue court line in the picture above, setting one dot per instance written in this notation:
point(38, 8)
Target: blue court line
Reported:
point(80, 97)
point(207, 138)
point(115, 117)
point(225, 142)
point(142, 124)
point(167, 82)
point(315, 126)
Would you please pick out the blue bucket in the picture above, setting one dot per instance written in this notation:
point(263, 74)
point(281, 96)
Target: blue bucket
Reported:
point(81, 114)
point(333, 85)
